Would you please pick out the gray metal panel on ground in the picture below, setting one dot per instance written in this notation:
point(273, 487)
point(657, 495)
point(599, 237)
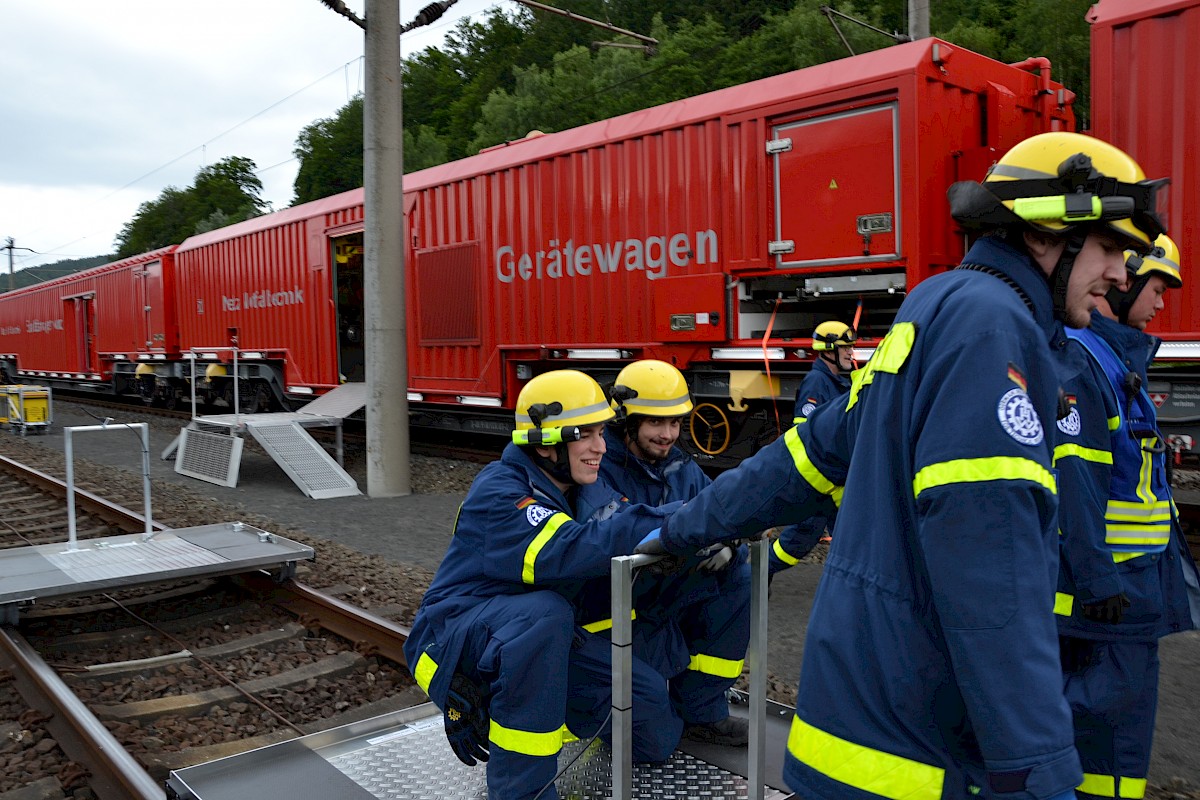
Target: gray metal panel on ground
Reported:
point(341, 402)
point(212, 457)
point(305, 461)
point(51, 570)
point(405, 756)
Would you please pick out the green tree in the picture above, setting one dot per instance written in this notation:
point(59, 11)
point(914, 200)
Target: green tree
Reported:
point(229, 187)
point(330, 152)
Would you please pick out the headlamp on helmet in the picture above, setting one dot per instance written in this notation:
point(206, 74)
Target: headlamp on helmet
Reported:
point(554, 406)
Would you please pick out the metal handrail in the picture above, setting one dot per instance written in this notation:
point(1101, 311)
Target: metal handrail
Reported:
point(622, 671)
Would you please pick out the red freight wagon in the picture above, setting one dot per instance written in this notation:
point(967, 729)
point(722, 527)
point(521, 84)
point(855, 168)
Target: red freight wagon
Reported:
point(686, 232)
point(1144, 78)
point(96, 330)
point(267, 287)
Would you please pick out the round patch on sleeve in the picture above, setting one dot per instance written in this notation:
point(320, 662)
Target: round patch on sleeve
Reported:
point(535, 514)
point(1071, 424)
point(807, 409)
point(1018, 417)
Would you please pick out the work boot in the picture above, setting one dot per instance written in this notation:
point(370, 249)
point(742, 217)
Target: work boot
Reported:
point(729, 732)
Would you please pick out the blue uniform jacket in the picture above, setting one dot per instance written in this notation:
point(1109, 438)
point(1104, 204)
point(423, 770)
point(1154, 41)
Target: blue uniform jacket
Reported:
point(516, 533)
point(1161, 586)
point(819, 386)
point(931, 662)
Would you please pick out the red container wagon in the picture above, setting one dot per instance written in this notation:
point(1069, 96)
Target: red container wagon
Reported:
point(106, 329)
point(1144, 79)
point(285, 289)
point(713, 232)
point(686, 232)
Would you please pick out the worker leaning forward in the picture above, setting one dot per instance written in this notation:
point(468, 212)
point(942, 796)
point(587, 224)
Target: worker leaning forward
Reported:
point(495, 642)
point(1126, 576)
point(693, 625)
point(931, 666)
point(833, 342)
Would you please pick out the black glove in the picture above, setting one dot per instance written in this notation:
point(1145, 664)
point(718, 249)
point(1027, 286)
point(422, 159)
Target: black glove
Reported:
point(1109, 610)
point(466, 720)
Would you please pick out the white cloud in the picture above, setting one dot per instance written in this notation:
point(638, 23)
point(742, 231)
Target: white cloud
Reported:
point(98, 95)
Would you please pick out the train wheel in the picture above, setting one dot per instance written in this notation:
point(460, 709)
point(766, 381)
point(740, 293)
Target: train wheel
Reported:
point(709, 429)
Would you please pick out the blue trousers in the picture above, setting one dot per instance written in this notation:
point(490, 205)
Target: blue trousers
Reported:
point(1112, 688)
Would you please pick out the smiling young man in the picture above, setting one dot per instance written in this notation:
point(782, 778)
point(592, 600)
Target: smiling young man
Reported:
point(1126, 578)
point(495, 642)
point(692, 626)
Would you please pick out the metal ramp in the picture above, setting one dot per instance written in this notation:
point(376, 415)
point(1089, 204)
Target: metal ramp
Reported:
point(210, 447)
point(31, 573)
point(404, 756)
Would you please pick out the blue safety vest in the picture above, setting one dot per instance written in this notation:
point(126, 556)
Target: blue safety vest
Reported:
point(1138, 516)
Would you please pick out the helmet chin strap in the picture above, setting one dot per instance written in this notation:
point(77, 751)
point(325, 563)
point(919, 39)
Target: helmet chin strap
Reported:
point(1121, 303)
point(560, 470)
point(1060, 276)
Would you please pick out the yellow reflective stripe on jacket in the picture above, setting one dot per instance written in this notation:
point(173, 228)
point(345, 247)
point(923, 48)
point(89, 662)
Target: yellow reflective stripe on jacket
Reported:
point(567, 736)
point(1134, 788)
point(978, 470)
point(1114, 423)
point(1119, 557)
point(889, 356)
point(530, 743)
point(784, 555)
point(1146, 470)
point(798, 420)
point(864, 768)
point(531, 553)
point(1126, 534)
point(1063, 603)
point(426, 667)
point(605, 624)
point(1135, 511)
point(1086, 453)
point(711, 665)
point(808, 470)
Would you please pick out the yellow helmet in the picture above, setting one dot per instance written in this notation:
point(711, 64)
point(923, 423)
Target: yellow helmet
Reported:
point(652, 388)
point(558, 400)
point(1056, 181)
point(1163, 261)
point(829, 335)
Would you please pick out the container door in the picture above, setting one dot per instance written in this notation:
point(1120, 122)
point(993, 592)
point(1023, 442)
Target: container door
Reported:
point(150, 288)
point(81, 311)
point(837, 188)
point(348, 280)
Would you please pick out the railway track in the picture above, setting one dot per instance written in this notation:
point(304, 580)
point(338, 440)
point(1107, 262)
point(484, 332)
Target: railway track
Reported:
point(112, 690)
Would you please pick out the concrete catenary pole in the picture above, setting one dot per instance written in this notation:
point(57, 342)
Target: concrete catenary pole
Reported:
point(8, 245)
point(388, 468)
point(918, 19)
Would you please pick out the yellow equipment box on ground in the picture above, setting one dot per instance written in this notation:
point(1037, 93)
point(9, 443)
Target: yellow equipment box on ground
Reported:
point(25, 408)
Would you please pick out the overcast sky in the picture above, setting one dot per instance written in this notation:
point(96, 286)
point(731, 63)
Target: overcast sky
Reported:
point(105, 104)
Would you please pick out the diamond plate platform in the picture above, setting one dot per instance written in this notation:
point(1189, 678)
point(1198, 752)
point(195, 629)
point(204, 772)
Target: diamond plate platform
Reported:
point(54, 570)
point(405, 756)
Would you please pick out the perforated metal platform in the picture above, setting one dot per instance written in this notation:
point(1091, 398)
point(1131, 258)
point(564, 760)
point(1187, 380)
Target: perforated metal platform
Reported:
point(54, 570)
point(405, 756)
point(304, 460)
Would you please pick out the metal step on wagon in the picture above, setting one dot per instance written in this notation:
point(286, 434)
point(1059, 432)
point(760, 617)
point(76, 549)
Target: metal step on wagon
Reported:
point(404, 755)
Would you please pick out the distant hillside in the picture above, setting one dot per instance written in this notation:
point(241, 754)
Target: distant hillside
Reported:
point(46, 272)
